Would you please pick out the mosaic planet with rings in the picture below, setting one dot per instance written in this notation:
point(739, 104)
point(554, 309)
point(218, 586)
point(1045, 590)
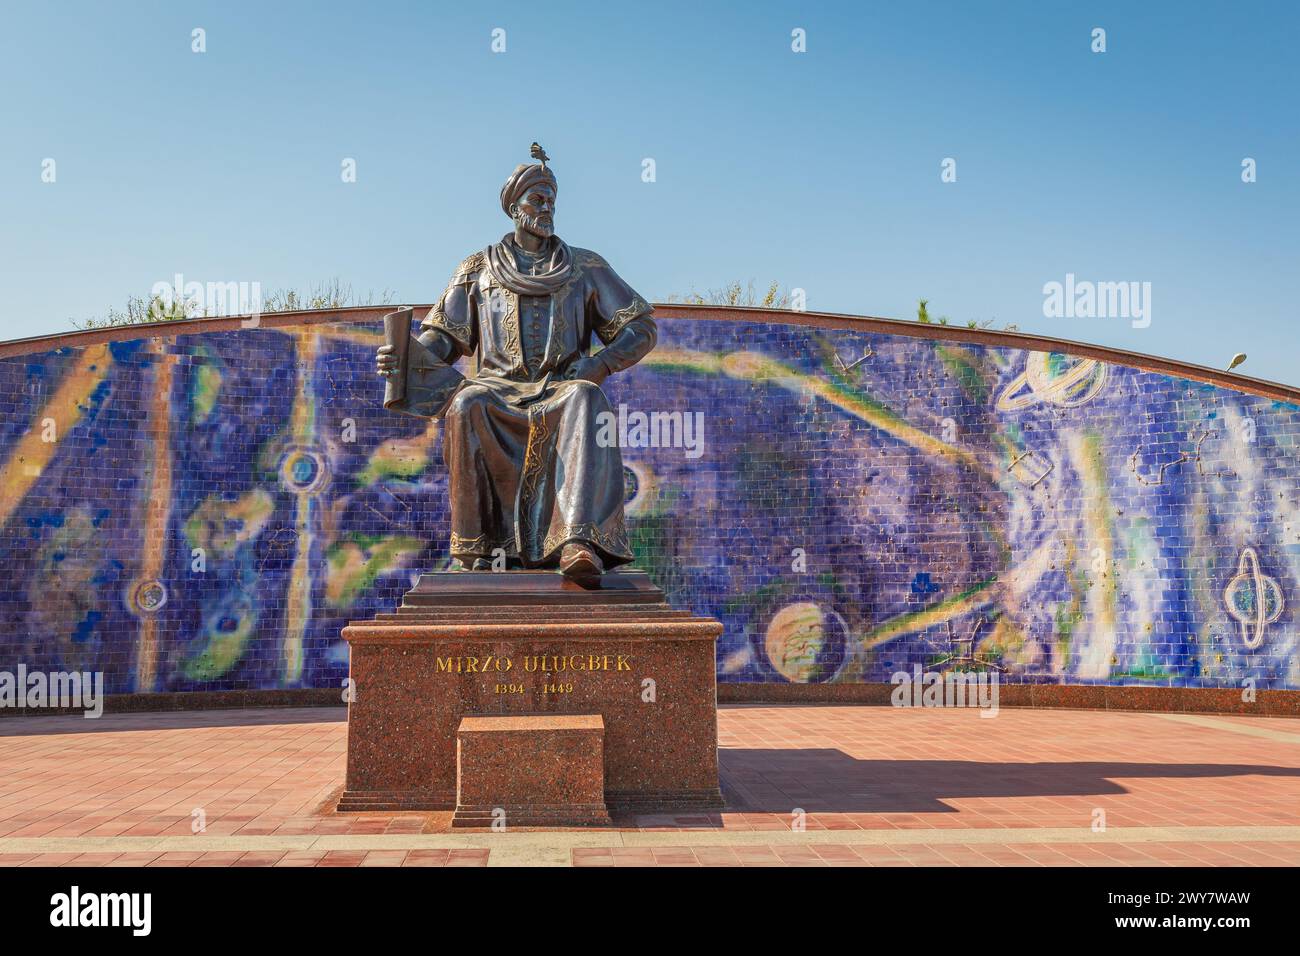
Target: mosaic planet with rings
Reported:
point(1254, 600)
point(1063, 380)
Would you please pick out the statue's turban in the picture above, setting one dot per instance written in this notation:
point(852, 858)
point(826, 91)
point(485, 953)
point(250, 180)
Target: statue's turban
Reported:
point(524, 178)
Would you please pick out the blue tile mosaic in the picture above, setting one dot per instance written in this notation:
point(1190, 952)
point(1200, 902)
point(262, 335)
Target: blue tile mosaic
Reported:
point(206, 512)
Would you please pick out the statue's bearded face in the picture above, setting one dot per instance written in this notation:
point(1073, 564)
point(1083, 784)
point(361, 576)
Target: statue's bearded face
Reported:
point(535, 211)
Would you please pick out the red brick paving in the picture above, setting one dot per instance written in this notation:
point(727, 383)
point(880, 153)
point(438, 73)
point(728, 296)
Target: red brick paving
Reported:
point(831, 768)
point(1057, 854)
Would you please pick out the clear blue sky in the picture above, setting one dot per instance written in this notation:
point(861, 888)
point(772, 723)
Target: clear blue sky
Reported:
point(820, 170)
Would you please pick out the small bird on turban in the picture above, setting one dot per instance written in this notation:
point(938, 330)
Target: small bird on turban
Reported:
point(525, 176)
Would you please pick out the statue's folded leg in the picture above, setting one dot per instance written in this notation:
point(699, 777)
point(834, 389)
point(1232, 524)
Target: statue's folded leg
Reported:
point(484, 439)
point(572, 486)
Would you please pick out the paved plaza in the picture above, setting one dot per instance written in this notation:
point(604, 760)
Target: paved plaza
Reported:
point(805, 785)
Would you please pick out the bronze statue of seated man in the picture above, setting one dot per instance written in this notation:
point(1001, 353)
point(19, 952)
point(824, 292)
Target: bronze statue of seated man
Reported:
point(529, 482)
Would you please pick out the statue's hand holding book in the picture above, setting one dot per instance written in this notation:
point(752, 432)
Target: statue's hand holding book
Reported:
point(416, 381)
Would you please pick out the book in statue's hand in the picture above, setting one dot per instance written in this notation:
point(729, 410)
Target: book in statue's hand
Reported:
point(423, 384)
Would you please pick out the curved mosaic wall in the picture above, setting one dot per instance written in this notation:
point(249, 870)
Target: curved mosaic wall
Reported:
point(206, 512)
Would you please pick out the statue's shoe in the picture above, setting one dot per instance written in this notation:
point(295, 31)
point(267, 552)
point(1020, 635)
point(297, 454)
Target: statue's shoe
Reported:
point(480, 564)
point(580, 562)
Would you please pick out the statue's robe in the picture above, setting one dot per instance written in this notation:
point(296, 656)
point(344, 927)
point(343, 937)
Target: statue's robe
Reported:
point(526, 473)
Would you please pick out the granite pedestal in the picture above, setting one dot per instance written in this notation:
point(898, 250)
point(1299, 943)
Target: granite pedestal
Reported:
point(530, 771)
point(533, 643)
